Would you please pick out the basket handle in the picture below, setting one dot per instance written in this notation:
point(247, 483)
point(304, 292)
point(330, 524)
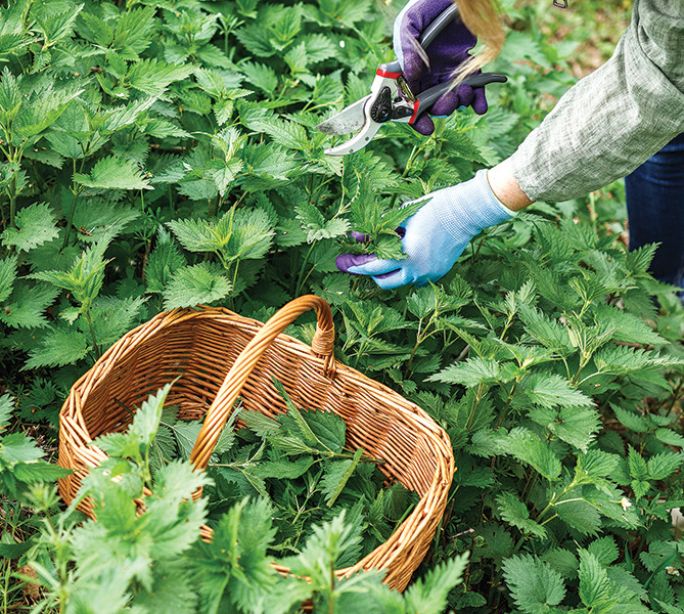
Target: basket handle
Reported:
point(219, 411)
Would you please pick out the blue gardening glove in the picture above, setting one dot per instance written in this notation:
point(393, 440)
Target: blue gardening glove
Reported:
point(435, 236)
point(446, 53)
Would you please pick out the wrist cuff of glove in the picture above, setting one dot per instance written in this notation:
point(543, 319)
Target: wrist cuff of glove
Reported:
point(470, 207)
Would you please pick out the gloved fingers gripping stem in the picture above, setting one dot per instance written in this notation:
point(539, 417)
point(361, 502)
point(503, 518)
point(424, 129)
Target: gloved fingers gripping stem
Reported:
point(435, 236)
point(367, 264)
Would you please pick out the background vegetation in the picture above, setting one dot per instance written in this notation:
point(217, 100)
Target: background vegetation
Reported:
point(162, 154)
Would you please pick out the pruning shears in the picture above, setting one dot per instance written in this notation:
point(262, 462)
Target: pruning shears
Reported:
point(391, 98)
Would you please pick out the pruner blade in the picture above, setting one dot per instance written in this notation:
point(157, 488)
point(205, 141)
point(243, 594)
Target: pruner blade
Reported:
point(349, 119)
point(367, 131)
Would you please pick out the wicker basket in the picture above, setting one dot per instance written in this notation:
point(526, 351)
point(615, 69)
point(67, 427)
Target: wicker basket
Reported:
point(219, 355)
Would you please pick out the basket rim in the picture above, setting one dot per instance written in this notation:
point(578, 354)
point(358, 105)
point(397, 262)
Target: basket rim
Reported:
point(80, 445)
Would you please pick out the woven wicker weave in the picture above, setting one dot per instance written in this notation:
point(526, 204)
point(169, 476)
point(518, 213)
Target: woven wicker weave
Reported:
point(219, 355)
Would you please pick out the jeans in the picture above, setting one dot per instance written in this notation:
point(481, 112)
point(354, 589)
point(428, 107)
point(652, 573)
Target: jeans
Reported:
point(655, 208)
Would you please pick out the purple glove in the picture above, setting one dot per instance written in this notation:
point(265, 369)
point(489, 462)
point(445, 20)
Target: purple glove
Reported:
point(446, 53)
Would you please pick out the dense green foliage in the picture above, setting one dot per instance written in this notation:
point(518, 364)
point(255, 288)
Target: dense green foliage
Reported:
point(162, 154)
point(297, 462)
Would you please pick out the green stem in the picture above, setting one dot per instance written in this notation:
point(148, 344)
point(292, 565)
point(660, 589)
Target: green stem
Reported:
point(507, 405)
point(509, 321)
point(212, 206)
point(481, 389)
point(549, 519)
point(409, 162)
point(300, 275)
point(91, 328)
point(13, 201)
point(331, 595)
point(75, 192)
point(14, 158)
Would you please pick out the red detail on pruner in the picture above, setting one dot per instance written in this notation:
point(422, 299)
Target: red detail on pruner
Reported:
point(387, 74)
point(414, 115)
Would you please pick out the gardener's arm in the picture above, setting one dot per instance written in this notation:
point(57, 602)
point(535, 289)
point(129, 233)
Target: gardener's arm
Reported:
point(609, 122)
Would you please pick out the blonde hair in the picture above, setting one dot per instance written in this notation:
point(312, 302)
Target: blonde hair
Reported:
point(483, 19)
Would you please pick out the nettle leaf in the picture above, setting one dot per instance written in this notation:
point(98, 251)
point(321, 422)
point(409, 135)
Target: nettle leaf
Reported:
point(113, 316)
point(43, 107)
point(126, 115)
point(284, 469)
point(579, 515)
point(316, 226)
point(515, 513)
point(26, 306)
point(546, 331)
point(287, 134)
point(185, 434)
point(594, 586)
point(552, 390)
point(152, 76)
point(261, 76)
point(535, 586)
point(476, 371)
point(529, 448)
point(200, 235)
point(234, 568)
point(8, 273)
point(330, 543)
point(319, 48)
point(256, 40)
point(328, 428)
point(39, 471)
point(163, 262)
point(58, 346)
point(114, 173)
point(430, 593)
point(252, 235)
point(337, 475)
point(638, 260)
point(146, 419)
point(266, 166)
point(197, 284)
point(638, 467)
point(245, 234)
point(663, 465)
point(35, 225)
point(575, 425)
point(670, 437)
point(563, 561)
point(134, 29)
point(632, 420)
point(605, 550)
point(85, 277)
point(627, 327)
point(12, 44)
point(57, 23)
point(19, 448)
point(6, 409)
point(621, 360)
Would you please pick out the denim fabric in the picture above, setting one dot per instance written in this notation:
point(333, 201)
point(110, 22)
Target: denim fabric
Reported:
point(655, 204)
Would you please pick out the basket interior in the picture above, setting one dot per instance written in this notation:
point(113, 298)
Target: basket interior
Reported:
point(201, 349)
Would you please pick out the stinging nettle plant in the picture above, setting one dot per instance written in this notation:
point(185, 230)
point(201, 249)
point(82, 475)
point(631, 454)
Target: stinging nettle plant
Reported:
point(163, 154)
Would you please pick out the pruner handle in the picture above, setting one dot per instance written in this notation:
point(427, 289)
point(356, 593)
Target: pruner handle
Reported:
point(437, 26)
